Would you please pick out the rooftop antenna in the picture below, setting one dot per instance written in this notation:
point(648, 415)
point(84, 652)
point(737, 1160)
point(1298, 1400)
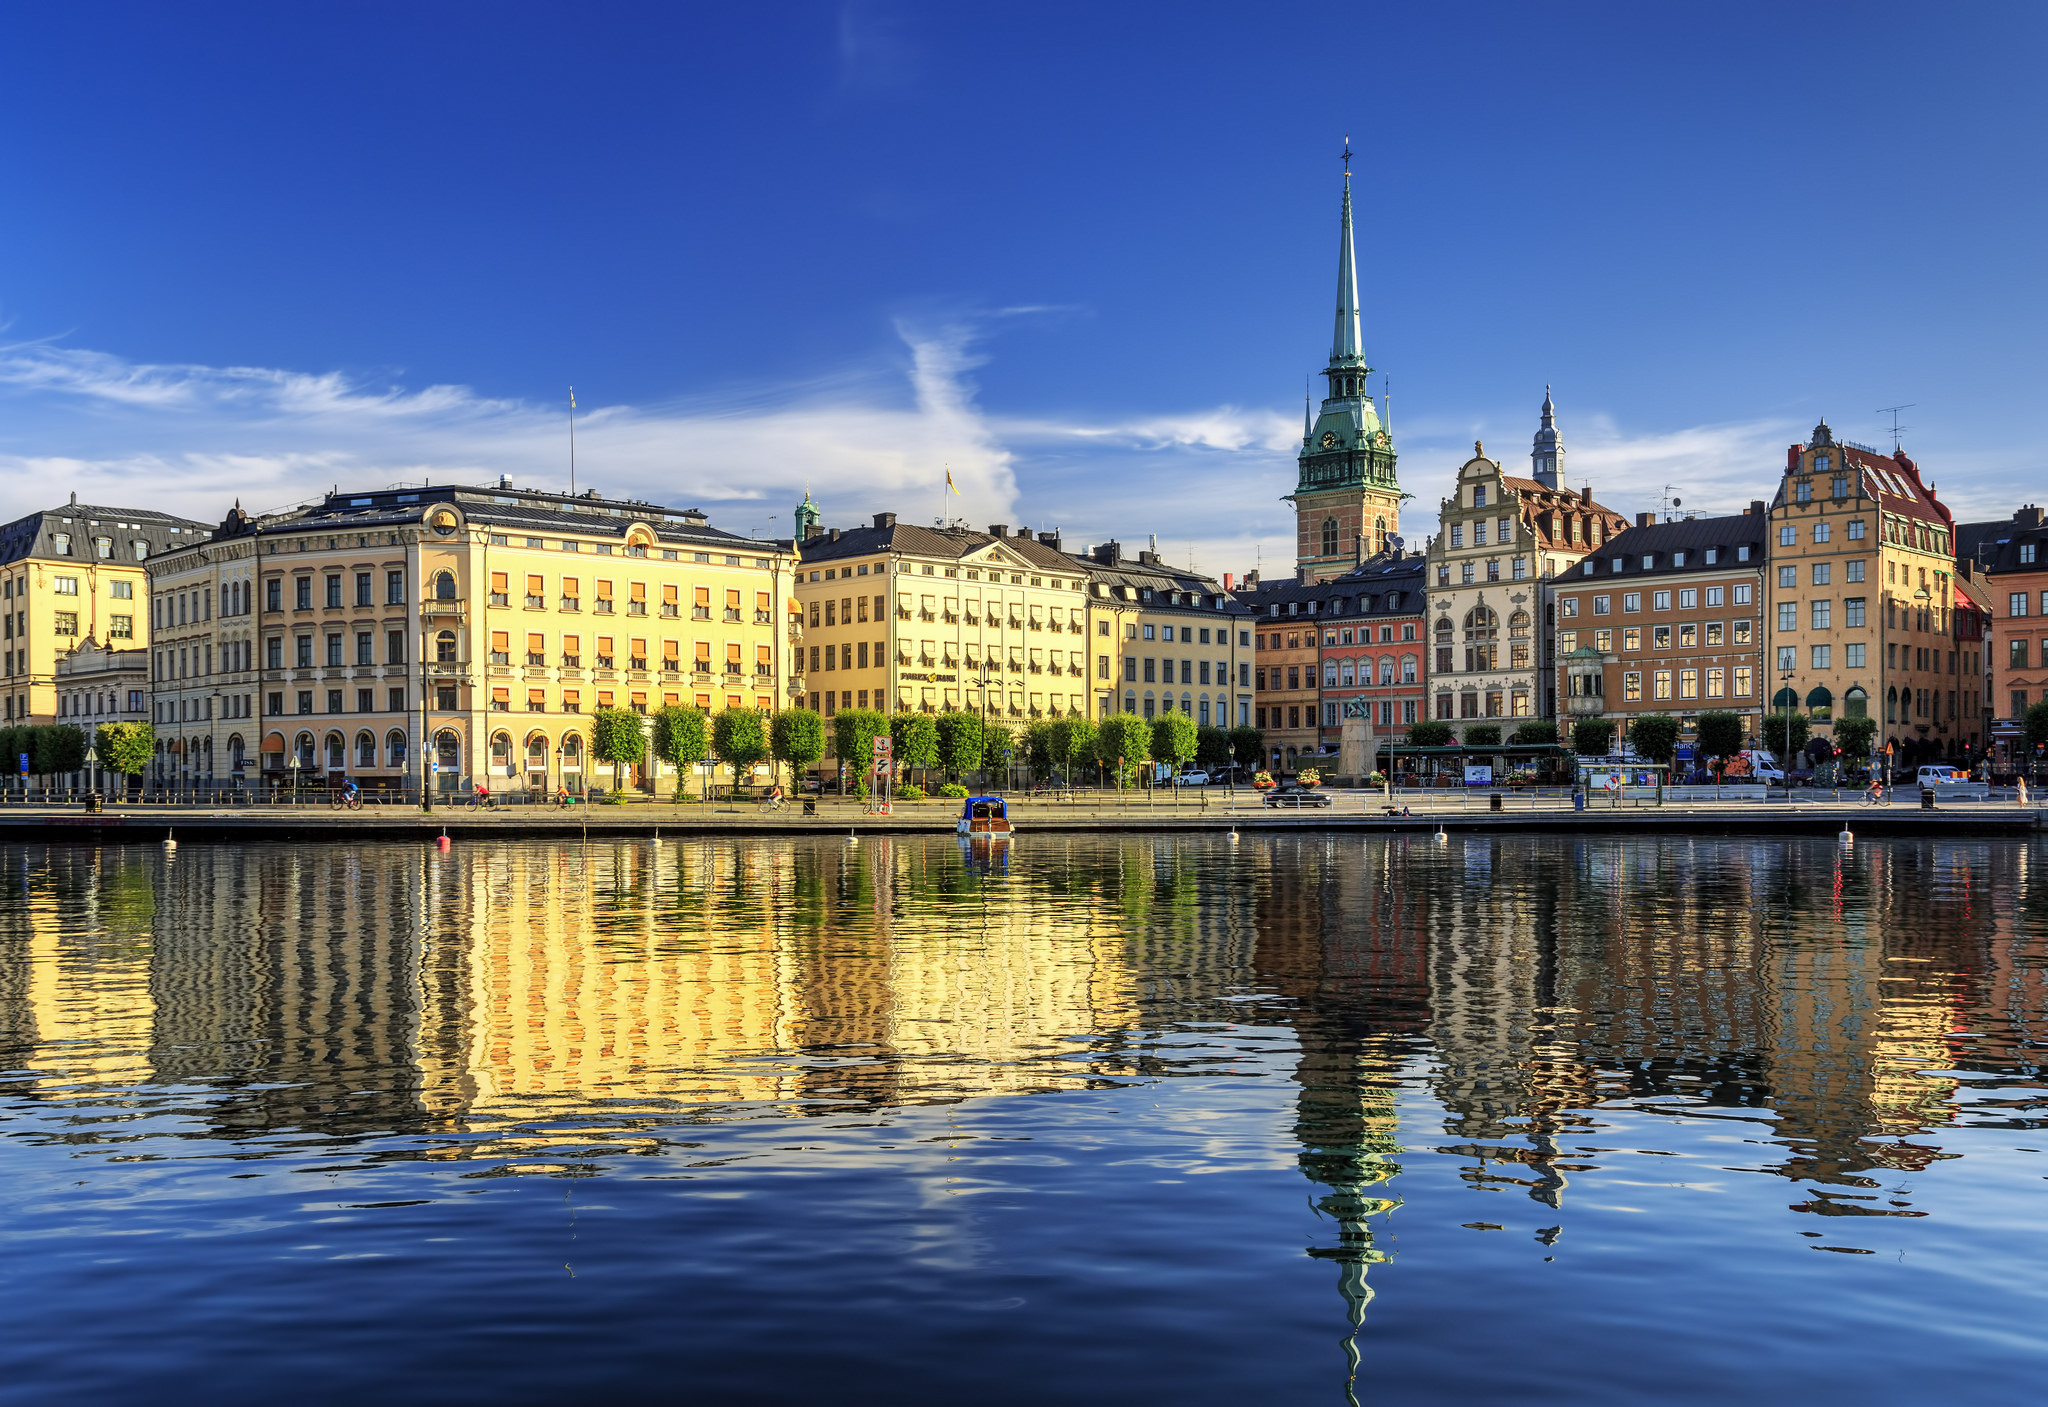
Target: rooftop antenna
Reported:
point(1387, 395)
point(1897, 429)
point(572, 442)
point(1668, 502)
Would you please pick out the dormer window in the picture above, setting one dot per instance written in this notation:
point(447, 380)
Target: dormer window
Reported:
point(1820, 463)
point(1618, 561)
point(1649, 560)
point(1479, 495)
point(1713, 555)
point(1678, 559)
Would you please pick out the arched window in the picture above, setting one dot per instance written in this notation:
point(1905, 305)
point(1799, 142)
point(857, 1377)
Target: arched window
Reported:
point(394, 749)
point(1856, 704)
point(337, 753)
point(572, 753)
point(444, 647)
point(237, 751)
point(501, 753)
point(1329, 537)
point(1891, 705)
point(537, 753)
point(1482, 619)
point(1379, 530)
point(1518, 625)
point(1443, 630)
point(303, 746)
point(444, 586)
point(366, 751)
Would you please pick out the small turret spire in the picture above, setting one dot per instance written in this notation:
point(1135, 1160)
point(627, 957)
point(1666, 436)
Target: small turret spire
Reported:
point(1546, 454)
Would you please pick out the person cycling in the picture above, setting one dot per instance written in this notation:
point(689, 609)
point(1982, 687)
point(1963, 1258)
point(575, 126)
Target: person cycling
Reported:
point(773, 801)
point(351, 794)
point(1874, 793)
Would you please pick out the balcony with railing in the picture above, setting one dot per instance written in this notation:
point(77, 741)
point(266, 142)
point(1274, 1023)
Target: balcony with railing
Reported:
point(604, 661)
point(444, 608)
point(501, 657)
point(535, 657)
point(572, 661)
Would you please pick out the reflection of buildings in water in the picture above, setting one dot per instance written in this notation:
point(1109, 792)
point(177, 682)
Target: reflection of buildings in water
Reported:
point(1342, 936)
point(76, 1009)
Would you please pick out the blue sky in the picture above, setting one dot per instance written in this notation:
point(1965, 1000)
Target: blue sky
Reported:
point(1083, 254)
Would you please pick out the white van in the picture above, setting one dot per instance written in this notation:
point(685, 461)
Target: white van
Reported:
point(1935, 775)
point(1756, 765)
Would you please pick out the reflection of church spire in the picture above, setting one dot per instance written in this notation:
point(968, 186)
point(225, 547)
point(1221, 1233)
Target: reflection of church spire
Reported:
point(1346, 1122)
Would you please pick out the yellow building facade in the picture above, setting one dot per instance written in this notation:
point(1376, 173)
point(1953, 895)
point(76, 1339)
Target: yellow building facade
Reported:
point(489, 623)
point(71, 574)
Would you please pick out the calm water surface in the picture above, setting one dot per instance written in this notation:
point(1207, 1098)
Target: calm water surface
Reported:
point(1119, 1121)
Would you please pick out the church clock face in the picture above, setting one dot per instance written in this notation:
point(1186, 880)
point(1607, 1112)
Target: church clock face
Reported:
point(1329, 439)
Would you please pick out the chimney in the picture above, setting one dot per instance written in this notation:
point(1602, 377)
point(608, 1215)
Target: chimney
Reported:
point(1149, 559)
point(1226, 582)
point(1792, 453)
point(832, 534)
point(1108, 552)
point(998, 529)
point(504, 481)
point(2027, 517)
point(1756, 508)
point(1024, 533)
point(1643, 520)
point(1586, 493)
point(1051, 539)
point(885, 520)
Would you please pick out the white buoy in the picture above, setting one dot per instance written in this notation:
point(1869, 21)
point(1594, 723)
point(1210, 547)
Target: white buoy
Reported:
point(851, 838)
point(1233, 835)
point(1442, 839)
point(169, 844)
point(1846, 836)
point(657, 837)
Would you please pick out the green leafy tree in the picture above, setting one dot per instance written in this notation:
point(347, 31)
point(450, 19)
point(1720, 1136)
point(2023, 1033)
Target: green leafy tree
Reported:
point(2035, 722)
point(1037, 746)
point(1854, 736)
point(1124, 742)
point(60, 747)
point(1655, 736)
point(15, 739)
point(1534, 733)
point(739, 739)
point(1073, 743)
point(1247, 746)
point(959, 742)
point(682, 738)
point(916, 736)
point(1430, 732)
point(1784, 734)
point(126, 748)
point(796, 738)
point(1720, 733)
point(1173, 739)
point(998, 747)
point(853, 734)
point(616, 737)
point(1212, 747)
point(1483, 735)
point(1593, 737)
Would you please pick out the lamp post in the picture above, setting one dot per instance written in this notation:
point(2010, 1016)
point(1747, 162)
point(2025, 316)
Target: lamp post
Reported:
point(92, 762)
point(1785, 762)
point(293, 766)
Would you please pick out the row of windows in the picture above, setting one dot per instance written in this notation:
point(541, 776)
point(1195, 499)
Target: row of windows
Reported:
point(1296, 640)
point(102, 547)
point(1821, 614)
point(636, 655)
point(68, 586)
point(1519, 571)
point(1342, 673)
point(1822, 657)
point(1691, 635)
point(1737, 683)
point(1473, 704)
point(633, 549)
point(65, 623)
point(1687, 598)
point(1822, 531)
point(2016, 604)
point(2019, 654)
point(1197, 709)
point(1291, 716)
point(1504, 533)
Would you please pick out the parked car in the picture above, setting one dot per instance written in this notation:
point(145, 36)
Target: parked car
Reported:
point(1295, 794)
point(1194, 778)
point(1230, 776)
point(1698, 777)
point(1941, 775)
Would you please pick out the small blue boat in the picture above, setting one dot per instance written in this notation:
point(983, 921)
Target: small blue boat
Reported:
point(984, 816)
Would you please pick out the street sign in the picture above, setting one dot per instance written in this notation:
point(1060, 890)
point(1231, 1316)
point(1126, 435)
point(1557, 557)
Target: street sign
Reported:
point(24, 764)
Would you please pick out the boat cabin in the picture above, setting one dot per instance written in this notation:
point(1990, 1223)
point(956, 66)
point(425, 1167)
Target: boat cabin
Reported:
point(984, 815)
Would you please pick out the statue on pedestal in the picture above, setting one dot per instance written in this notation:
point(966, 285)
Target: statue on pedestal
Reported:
point(1355, 750)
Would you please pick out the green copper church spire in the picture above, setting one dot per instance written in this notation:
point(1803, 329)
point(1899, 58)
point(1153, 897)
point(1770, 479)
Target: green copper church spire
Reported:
point(1346, 347)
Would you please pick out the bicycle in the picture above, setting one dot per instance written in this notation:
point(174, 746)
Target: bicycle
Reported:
point(774, 803)
point(481, 803)
point(346, 800)
point(1876, 798)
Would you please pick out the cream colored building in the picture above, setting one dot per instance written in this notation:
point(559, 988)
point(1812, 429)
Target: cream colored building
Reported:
point(1166, 639)
point(1502, 539)
point(67, 574)
point(489, 621)
point(903, 618)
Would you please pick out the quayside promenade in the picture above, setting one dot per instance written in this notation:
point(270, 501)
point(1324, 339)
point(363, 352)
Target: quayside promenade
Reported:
point(1085, 813)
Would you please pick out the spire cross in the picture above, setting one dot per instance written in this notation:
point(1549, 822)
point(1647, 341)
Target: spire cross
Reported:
point(1347, 158)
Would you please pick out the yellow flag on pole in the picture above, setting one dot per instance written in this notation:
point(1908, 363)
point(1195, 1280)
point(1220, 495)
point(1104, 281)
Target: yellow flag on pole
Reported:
point(949, 481)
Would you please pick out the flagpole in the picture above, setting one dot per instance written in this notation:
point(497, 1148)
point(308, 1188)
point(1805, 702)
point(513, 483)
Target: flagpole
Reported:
point(572, 442)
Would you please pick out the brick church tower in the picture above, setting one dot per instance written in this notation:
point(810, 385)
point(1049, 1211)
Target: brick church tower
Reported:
point(1347, 502)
